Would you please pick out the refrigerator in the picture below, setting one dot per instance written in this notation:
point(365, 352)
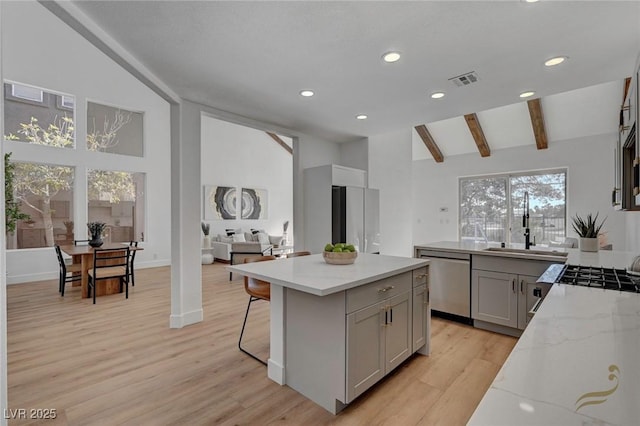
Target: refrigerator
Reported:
point(355, 217)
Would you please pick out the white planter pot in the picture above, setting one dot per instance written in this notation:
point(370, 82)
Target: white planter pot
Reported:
point(588, 244)
point(206, 242)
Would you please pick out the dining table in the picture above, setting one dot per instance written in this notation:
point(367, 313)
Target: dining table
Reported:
point(83, 254)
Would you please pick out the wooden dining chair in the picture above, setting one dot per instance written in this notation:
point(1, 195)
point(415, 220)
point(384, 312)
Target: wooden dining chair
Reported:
point(133, 257)
point(68, 272)
point(257, 290)
point(109, 263)
point(298, 253)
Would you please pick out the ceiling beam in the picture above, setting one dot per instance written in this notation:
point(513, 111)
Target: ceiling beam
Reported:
point(280, 142)
point(537, 122)
point(627, 83)
point(478, 134)
point(429, 143)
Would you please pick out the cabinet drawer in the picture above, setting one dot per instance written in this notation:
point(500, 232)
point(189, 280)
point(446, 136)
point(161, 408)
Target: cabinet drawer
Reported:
point(368, 294)
point(420, 276)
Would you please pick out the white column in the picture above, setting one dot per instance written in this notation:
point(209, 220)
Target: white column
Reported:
point(186, 272)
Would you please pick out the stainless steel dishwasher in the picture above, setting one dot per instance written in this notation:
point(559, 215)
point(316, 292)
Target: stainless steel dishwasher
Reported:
point(449, 283)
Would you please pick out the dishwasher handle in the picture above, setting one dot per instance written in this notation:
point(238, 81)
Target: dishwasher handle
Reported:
point(446, 259)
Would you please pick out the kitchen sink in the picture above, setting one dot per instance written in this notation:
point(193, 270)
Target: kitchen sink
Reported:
point(525, 251)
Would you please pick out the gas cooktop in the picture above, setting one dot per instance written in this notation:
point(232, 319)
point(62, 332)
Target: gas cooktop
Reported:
point(589, 276)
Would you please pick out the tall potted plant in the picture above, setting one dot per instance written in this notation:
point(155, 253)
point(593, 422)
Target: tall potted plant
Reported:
point(588, 230)
point(206, 241)
point(285, 236)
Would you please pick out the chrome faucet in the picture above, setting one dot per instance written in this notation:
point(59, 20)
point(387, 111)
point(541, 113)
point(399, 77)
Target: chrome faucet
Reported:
point(525, 221)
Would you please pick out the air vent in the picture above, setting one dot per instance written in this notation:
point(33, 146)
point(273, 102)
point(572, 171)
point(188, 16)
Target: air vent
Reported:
point(465, 79)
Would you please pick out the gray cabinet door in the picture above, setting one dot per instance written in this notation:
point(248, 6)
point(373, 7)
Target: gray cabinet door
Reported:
point(420, 313)
point(495, 297)
point(398, 330)
point(365, 349)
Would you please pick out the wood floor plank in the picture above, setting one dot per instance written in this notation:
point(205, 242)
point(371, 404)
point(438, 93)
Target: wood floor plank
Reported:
point(119, 363)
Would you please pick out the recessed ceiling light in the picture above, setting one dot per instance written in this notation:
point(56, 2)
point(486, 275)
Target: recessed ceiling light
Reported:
point(555, 61)
point(361, 116)
point(531, 1)
point(437, 95)
point(391, 57)
point(306, 93)
point(527, 94)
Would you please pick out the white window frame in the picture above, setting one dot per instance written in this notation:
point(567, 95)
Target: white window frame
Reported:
point(16, 94)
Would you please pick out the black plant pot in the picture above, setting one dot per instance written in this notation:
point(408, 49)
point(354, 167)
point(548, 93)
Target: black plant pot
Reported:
point(96, 241)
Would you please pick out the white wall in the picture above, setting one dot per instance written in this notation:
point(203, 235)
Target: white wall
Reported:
point(68, 63)
point(239, 156)
point(589, 182)
point(308, 152)
point(355, 154)
point(390, 172)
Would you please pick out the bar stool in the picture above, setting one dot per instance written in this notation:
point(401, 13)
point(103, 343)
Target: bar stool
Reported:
point(257, 290)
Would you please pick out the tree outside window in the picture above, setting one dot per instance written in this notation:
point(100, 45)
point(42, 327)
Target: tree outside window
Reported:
point(45, 191)
point(492, 207)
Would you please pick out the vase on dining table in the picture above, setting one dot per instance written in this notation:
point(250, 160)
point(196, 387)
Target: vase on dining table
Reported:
point(95, 229)
point(96, 240)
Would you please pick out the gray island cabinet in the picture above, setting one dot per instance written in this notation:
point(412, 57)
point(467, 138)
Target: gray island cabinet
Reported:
point(336, 330)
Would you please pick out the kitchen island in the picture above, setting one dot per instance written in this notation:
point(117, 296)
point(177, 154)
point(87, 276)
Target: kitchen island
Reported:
point(337, 329)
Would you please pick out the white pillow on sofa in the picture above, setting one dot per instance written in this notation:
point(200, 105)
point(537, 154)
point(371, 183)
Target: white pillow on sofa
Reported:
point(224, 239)
point(238, 238)
point(263, 238)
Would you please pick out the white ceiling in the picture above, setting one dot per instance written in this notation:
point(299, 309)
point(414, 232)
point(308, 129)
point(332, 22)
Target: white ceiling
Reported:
point(253, 58)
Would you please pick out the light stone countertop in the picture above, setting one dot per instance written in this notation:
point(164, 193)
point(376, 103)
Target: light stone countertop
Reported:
point(575, 364)
point(604, 258)
point(311, 274)
point(577, 361)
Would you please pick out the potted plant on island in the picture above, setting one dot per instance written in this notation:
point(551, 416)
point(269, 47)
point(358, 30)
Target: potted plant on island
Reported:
point(206, 241)
point(588, 230)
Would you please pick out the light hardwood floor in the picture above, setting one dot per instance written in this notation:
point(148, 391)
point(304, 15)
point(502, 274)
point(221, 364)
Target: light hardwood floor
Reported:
point(118, 362)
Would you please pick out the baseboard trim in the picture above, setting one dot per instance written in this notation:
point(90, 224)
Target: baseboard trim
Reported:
point(275, 372)
point(188, 318)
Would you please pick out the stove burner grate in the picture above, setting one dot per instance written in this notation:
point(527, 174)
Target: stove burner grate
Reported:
point(606, 278)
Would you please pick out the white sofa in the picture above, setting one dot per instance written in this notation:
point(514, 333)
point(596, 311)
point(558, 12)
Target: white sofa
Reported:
point(222, 249)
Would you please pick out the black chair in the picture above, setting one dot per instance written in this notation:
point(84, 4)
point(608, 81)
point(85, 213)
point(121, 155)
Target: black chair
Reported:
point(80, 242)
point(75, 269)
point(110, 263)
point(257, 290)
point(133, 257)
